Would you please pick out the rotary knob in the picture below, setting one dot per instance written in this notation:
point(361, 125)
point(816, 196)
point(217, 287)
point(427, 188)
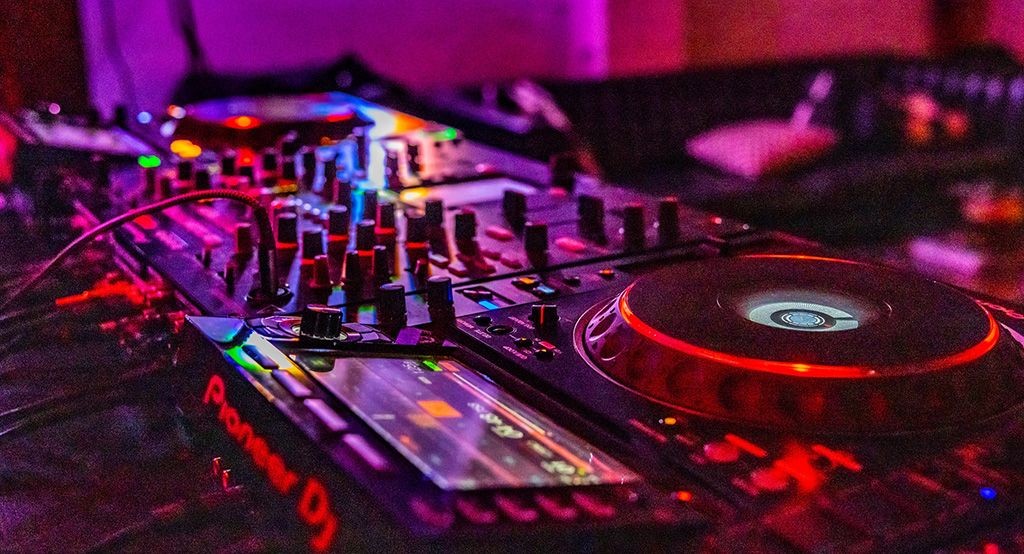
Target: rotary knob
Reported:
point(320, 322)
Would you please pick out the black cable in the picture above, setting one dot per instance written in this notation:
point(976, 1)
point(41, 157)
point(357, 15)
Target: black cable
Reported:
point(268, 280)
point(202, 510)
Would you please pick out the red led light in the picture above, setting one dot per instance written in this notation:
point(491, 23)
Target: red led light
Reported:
point(242, 122)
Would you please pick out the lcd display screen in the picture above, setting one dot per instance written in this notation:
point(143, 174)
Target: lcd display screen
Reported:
point(460, 429)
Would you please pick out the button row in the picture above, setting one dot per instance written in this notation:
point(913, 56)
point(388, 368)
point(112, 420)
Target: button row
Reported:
point(518, 508)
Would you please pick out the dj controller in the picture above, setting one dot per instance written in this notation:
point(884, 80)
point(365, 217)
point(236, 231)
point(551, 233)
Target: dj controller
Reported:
point(398, 338)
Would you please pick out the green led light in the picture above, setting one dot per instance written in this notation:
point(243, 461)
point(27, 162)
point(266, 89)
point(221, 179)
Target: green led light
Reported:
point(432, 366)
point(237, 356)
point(149, 161)
point(449, 133)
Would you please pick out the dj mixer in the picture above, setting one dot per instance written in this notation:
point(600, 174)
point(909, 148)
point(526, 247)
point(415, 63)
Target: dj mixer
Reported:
point(402, 339)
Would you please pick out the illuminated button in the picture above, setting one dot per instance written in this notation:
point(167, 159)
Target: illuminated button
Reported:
point(555, 508)
point(721, 452)
point(769, 479)
point(515, 510)
point(525, 283)
point(499, 233)
point(482, 320)
point(259, 357)
point(544, 355)
point(331, 420)
point(431, 515)
point(607, 273)
point(593, 505)
point(544, 291)
point(367, 453)
point(291, 384)
point(474, 512)
point(570, 245)
point(545, 344)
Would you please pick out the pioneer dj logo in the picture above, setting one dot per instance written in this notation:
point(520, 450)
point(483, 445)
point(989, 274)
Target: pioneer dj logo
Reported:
point(313, 506)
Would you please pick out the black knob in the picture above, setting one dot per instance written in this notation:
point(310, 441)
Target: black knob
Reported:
point(166, 187)
point(202, 179)
point(308, 158)
point(312, 243)
point(243, 239)
point(513, 207)
point(535, 237)
point(362, 147)
point(338, 221)
point(386, 215)
point(590, 210)
point(391, 306)
point(415, 228)
point(185, 169)
point(381, 264)
point(668, 220)
point(248, 172)
point(465, 225)
point(440, 299)
point(287, 228)
point(366, 236)
point(268, 161)
point(563, 171)
point(321, 278)
point(353, 272)
point(633, 227)
point(370, 204)
point(330, 178)
point(544, 318)
point(228, 164)
point(434, 212)
point(342, 193)
point(150, 179)
point(320, 322)
point(288, 169)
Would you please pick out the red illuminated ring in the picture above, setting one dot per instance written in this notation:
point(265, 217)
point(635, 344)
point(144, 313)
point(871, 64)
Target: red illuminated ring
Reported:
point(788, 368)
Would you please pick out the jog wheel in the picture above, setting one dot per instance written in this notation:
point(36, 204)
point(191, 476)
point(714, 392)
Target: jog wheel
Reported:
point(806, 344)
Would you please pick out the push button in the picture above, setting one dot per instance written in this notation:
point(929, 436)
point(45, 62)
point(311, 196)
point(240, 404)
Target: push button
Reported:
point(593, 505)
point(515, 510)
point(555, 508)
point(291, 384)
point(330, 419)
point(367, 453)
point(259, 357)
point(525, 283)
point(544, 291)
point(474, 512)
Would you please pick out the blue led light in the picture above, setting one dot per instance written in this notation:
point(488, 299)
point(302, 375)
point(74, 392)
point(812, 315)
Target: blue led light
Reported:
point(144, 118)
point(489, 305)
point(988, 493)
